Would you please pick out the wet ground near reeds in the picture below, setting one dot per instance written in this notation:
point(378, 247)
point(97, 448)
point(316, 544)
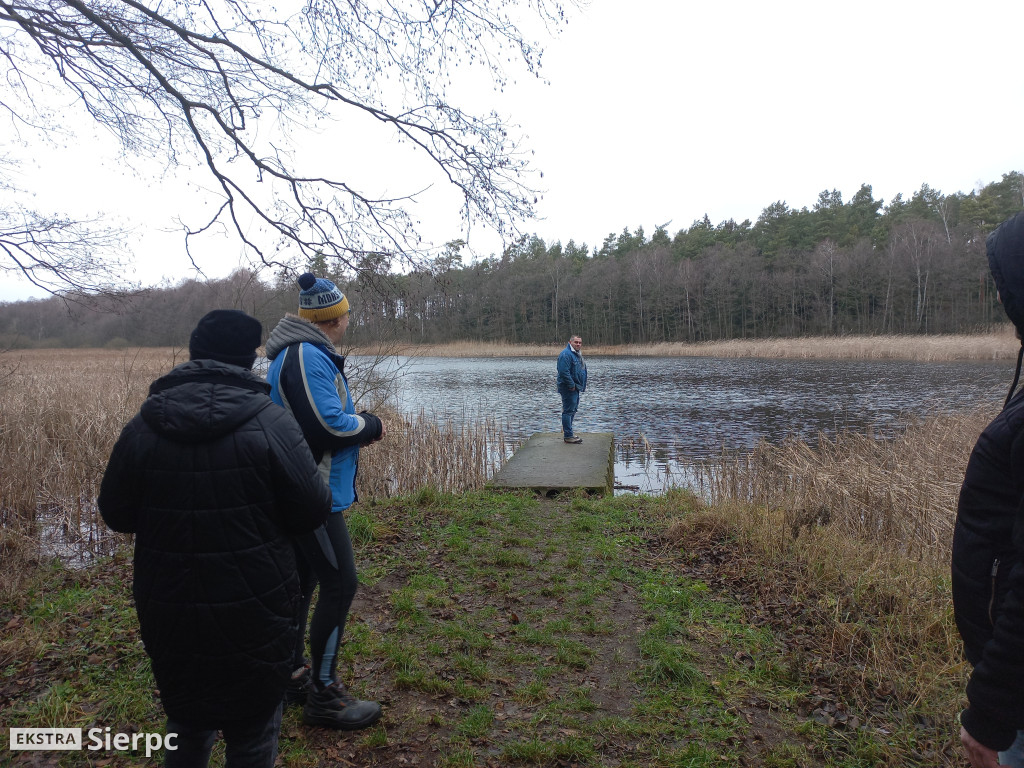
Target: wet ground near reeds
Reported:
point(673, 412)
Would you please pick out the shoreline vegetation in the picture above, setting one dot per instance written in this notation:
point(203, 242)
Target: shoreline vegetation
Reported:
point(828, 560)
point(1000, 344)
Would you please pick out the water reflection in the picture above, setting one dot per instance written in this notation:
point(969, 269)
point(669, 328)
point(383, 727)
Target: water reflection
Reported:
point(668, 412)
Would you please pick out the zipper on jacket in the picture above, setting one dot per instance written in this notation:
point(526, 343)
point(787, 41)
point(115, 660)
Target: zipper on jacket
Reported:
point(992, 598)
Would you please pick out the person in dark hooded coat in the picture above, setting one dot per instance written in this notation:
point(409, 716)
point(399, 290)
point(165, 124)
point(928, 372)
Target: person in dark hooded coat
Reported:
point(988, 548)
point(213, 478)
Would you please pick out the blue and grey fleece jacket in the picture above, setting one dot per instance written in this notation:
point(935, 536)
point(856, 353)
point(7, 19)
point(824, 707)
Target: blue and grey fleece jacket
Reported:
point(307, 377)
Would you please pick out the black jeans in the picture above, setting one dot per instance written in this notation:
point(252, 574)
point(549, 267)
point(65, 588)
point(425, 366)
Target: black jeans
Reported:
point(325, 556)
point(249, 743)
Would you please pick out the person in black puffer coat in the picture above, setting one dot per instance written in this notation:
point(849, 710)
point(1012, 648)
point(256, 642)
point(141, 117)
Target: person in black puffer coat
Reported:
point(213, 479)
point(988, 549)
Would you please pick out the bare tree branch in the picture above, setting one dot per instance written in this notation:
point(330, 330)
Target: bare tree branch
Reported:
point(221, 81)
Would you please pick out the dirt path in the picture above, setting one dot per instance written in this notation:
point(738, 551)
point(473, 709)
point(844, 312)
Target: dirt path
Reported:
point(517, 631)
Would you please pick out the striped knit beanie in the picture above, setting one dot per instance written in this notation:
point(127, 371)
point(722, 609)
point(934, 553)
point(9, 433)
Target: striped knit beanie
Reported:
point(320, 300)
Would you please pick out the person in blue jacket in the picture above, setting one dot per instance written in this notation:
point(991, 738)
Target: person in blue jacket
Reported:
point(572, 382)
point(988, 548)
point(307, 377)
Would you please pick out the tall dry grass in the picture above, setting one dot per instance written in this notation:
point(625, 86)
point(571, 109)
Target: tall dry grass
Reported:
point(998, 345)
point(61, 412)
point(859, 530)
point(420, 451)
point(896, 492)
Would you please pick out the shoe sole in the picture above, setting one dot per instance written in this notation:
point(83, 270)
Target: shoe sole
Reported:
point(328, 722)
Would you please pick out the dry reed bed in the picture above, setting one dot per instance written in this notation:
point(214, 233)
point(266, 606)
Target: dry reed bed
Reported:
point(998, 345)
point(61, 412)
point(898, 492)
point(859, 530)
point(421, 452)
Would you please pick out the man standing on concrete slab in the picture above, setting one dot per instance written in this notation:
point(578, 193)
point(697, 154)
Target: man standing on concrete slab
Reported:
point(572, 382)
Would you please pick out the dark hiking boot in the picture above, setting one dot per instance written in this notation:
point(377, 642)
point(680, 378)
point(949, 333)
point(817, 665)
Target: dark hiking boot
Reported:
point(299, 686)
point(334, 707)
point(574, 439)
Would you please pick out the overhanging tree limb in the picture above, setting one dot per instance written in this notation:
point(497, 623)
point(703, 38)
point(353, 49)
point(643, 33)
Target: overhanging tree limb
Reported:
point(224, 83)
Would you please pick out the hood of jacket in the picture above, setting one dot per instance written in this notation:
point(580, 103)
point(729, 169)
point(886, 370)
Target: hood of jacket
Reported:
point(294, 330)
point(202, 400)
point(1005, 247)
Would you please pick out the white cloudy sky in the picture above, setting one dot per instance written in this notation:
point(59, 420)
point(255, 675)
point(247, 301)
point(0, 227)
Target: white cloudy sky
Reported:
point(664, 110)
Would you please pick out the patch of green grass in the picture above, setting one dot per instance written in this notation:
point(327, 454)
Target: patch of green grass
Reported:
point(510, 558)
point(515, 656)
point(693, 755)
point(470, 692)
point(458, 754)
point(295, 752)
point(420, 679)
point(361, 526)
point(475, 723)
point(580, 699)
point(669, 664)
point(590, 625)
point(457, 540)
point(560, 625)
point(60, 705)
point(128, 695)
point(426, 582)
point(532, 635)
point(472, 667)
point(786, 756)
point(572, 653)
point(404, 603)
point(574, 561)
point(375, 738)
point(60, 603)
point(585, 523)
point(467, 638)
point(533, 692)
point(537, 751)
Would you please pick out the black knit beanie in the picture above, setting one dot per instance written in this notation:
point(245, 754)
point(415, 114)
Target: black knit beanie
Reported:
point(227, 335)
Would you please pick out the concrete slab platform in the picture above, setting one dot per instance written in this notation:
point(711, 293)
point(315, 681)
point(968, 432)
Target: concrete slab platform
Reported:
point(548, 465)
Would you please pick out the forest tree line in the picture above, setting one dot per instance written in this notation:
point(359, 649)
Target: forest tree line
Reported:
point(856, 266)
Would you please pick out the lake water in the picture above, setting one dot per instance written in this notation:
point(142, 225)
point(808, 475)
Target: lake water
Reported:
point(690, 408)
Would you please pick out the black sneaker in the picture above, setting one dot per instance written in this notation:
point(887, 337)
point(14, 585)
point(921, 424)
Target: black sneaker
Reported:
point(299, 686)
point(334, 707)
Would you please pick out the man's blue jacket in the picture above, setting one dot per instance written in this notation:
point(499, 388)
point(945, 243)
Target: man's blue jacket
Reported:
point(572, 370)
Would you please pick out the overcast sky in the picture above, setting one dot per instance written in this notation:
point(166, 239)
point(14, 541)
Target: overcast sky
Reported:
point(659, 111)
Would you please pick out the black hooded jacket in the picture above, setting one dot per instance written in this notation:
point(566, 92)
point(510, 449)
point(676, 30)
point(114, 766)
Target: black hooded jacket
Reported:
point(988, 540)
point(211, 476)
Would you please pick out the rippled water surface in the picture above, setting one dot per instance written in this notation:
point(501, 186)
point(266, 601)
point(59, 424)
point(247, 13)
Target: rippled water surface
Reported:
point(689, 408)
